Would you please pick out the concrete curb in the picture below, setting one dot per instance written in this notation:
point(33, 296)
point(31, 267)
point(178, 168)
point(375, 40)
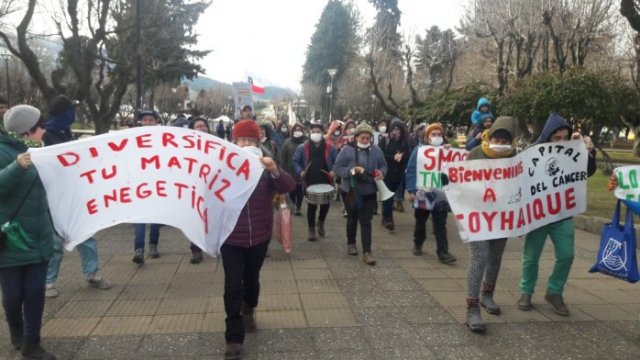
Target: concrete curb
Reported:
point(595, 224)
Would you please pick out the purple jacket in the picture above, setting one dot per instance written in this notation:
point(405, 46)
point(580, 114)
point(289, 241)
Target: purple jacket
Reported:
point(255, 223)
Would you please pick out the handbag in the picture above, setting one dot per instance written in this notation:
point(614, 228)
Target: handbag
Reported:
point(12, 235)
point(617, 252)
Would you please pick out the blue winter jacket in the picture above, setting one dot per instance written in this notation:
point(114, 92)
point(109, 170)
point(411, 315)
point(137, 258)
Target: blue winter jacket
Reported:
point(475, 116)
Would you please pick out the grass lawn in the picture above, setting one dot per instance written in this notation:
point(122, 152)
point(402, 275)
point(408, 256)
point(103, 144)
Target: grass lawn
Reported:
point(622, 157)
point(600, 201)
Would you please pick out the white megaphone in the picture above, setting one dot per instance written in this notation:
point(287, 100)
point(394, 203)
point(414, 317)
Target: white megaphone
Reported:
point(385, 193)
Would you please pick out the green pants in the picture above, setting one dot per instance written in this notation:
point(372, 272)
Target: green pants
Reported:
point(562, 235)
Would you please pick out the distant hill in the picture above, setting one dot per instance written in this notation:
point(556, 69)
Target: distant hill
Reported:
point(205, 83)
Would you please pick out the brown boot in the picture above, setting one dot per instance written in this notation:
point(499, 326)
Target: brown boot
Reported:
point(557, 302)
point(487, 301)
point(233, 351)
point(368, 258)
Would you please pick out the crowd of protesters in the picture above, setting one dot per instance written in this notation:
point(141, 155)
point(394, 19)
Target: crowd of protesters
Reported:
point(342, 161)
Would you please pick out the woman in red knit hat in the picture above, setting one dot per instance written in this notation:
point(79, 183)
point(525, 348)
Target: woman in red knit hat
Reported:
point(243, 252)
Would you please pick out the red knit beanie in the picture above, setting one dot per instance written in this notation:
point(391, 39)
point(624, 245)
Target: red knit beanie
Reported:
point(246, 129)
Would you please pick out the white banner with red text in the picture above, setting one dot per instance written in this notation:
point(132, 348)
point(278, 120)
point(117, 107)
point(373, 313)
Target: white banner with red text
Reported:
point(502, 198)
point(187, 179)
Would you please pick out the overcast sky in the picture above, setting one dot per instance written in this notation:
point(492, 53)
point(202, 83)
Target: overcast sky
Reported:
point(268, 38)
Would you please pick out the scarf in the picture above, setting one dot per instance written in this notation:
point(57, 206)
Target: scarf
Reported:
point(486, 149)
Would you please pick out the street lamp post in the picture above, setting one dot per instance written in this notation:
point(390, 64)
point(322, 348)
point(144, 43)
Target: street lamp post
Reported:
point(332, 73)
point(6, 58)
point(373, 103)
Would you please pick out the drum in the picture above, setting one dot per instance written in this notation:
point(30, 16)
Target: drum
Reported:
point(319, 194)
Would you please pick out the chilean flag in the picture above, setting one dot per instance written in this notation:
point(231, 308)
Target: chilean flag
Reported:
point(256, 89)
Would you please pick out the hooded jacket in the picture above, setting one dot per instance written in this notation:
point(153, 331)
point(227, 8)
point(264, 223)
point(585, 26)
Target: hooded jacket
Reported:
point(390, 147)
point(475, 116)
point(289, 148)
point(345, 139)
point(33, 216)
point(502, 123)
point(370, 159)
point(556, 122)
point(58, 128)
point(329, 137)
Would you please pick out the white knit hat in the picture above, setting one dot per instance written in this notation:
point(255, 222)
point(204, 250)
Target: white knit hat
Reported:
point(21, 118)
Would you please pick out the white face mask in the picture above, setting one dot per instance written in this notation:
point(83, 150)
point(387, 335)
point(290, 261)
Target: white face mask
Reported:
point(315, 137)
point(336, 133)
point(253, 150)
point(297, 134)
point(263, 139)
point(382, 129)
point(363, 146)
point(436, 140)
point(500, 148)
point(284, 130)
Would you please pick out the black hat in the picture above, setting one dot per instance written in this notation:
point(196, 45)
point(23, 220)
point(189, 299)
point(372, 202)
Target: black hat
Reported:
point(59, 105)
point(146, 112)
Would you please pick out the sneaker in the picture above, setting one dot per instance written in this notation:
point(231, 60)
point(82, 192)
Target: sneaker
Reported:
point(417, 251)
point(297, 212)
point(368, 258)
point(153, 251)
point(344, 214)
point(389, 225)
point(524, 303)
point(98, 282)
point(138, 256)
point(17, 336)
point(557, 303)
point(400, 207)
point(50, 291)
point(446, 258)
point(196, 257)
point(233, 351)
point(353, 251)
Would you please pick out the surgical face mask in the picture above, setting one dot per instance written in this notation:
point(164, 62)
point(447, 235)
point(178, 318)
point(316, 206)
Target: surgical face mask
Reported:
point(382, 129)
point(284, 129)
point(297, 134)
point(263, 139)
point(436, 140)
point(350, 131)
point(254, 150)
point(363, 145)
point(336, 133)
point(315, 137)
point(500, 148)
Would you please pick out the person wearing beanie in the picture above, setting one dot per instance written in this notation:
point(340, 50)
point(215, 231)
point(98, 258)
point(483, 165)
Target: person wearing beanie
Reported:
point(62, 114)
point(266, 140)
point(286, 160)
point(396, 150)
point(313, 163)
point(146, 118)
point(348, 134)
point(359, 164)
point(429, 202)
point(334, 133)
point(485, 257)
point(562, 233)
point(244, 251)
point(23, 270)
point(181, 121)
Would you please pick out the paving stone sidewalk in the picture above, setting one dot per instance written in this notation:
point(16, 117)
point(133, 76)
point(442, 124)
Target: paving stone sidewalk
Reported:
point(320, 303)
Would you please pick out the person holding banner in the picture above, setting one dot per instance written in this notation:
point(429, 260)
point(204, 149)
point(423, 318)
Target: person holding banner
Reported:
point(312, 162)
point(428, 202)
point(286, 160)
point(244, 251)
point(562, 233)
point(485, 257)
point(25, 253)
point(146, 118)
point(396, 150)
point(474, 137)
point(62, 113)
point(359, 165)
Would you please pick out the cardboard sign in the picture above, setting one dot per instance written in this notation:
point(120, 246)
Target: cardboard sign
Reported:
point(628, 186)
point(503, 198)
point(187, 179)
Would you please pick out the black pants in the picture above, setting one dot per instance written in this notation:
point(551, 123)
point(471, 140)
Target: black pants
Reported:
point(439, 221)
point(311, 213)
point(241, 284)
point(362, 216)
point(23, 298)
point(297, 195)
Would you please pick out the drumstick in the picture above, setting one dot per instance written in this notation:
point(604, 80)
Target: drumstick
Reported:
point(326, 172)
point(307, 168)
